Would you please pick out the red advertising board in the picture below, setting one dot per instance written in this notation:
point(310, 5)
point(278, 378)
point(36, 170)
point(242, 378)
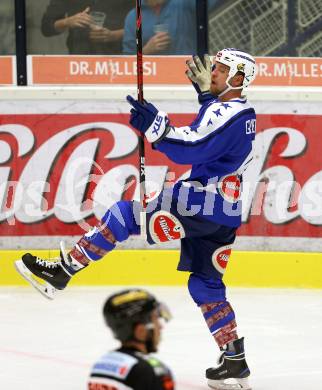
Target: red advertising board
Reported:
point(7, 75)
point(158, 70)
point(58, 173)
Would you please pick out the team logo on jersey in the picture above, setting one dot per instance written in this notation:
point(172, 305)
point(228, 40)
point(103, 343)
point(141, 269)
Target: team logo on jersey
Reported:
point(164, 227)
point(230, 188)
point(115, 365)
point(220, 258)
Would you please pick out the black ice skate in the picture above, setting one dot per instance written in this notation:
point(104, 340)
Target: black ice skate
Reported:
point(232, 371)
point(46, 276)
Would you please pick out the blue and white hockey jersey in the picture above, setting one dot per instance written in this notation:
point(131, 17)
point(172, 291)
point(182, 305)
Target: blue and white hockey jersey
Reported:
point(218, 144)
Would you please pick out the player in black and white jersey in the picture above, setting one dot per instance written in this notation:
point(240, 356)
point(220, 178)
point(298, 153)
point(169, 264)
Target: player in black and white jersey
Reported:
point(134, 317)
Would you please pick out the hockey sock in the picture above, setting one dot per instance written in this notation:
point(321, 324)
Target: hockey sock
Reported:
point(117, 225)
point(92, 246)
point(221, 322)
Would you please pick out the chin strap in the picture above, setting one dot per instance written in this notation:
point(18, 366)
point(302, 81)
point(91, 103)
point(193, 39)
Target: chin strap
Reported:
point(148, 343)
point(229, 88)
point(150, 347)
point(224, 91)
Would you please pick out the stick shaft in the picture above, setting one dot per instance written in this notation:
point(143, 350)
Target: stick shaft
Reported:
point(139, 62)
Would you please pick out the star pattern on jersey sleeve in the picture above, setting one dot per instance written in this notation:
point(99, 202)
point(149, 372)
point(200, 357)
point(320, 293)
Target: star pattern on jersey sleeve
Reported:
point(225, 105)
point(194, 128)
point(217, 112)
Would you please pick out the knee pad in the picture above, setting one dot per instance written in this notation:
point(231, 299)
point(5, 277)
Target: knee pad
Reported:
point(116, 225)
point(121, 221)
point(204, 290)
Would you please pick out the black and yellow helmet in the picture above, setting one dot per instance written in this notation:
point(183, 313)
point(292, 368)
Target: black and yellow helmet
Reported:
point(124, 310)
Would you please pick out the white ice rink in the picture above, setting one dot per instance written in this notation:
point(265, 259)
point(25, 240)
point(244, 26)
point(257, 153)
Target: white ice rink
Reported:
point(50, 345)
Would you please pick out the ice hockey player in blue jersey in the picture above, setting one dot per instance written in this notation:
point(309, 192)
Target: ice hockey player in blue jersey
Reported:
point(134, 316)
point(202, 211)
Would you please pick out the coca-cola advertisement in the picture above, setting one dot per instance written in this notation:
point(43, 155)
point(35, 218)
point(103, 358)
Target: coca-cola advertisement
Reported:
point(60, 172)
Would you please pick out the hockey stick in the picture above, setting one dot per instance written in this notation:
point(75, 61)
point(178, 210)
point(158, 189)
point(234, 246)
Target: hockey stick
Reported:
point(202, 28)
point(139, 67)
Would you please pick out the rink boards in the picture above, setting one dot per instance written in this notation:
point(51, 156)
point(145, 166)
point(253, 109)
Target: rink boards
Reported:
point(43, 126)
point(158, 267)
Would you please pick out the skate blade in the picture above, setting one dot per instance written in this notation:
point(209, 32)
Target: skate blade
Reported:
point(229, 384)
point(46, 289)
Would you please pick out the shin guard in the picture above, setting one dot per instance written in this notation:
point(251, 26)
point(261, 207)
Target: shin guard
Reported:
point(117, 225)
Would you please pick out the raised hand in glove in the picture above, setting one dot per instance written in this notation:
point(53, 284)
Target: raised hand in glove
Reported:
point(146, 118)
point(199, 74)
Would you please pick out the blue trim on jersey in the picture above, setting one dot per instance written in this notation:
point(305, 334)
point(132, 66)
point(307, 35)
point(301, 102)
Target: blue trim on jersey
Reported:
point(242, 101)
point(201, 113)
point(212, 134)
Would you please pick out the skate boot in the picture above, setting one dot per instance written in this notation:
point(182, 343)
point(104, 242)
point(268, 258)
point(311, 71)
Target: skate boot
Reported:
point(46, 276)
point(232, 371)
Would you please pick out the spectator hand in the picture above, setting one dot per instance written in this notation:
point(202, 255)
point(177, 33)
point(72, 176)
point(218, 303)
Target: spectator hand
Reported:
point(158, 43)
point(79, 20)
point(199, 74)
point(101, 34)
point(146, 118)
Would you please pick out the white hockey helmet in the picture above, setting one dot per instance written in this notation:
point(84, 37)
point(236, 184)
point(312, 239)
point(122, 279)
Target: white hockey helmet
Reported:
point(238, 61)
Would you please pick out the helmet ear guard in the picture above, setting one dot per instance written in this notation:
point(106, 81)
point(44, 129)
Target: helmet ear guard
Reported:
point(237, 61)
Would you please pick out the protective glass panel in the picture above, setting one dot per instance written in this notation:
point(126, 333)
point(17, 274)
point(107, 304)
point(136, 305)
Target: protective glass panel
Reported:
point(310, 27)
point(267, 27)
point(255, 26)
point(102, 27)
point(168, 28)
point(76, 26)
point(7, 28)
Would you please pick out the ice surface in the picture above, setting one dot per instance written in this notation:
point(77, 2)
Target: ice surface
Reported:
point(52, 344)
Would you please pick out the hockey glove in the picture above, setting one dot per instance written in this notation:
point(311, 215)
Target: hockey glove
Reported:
point(199, 74)
point(146, 118)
